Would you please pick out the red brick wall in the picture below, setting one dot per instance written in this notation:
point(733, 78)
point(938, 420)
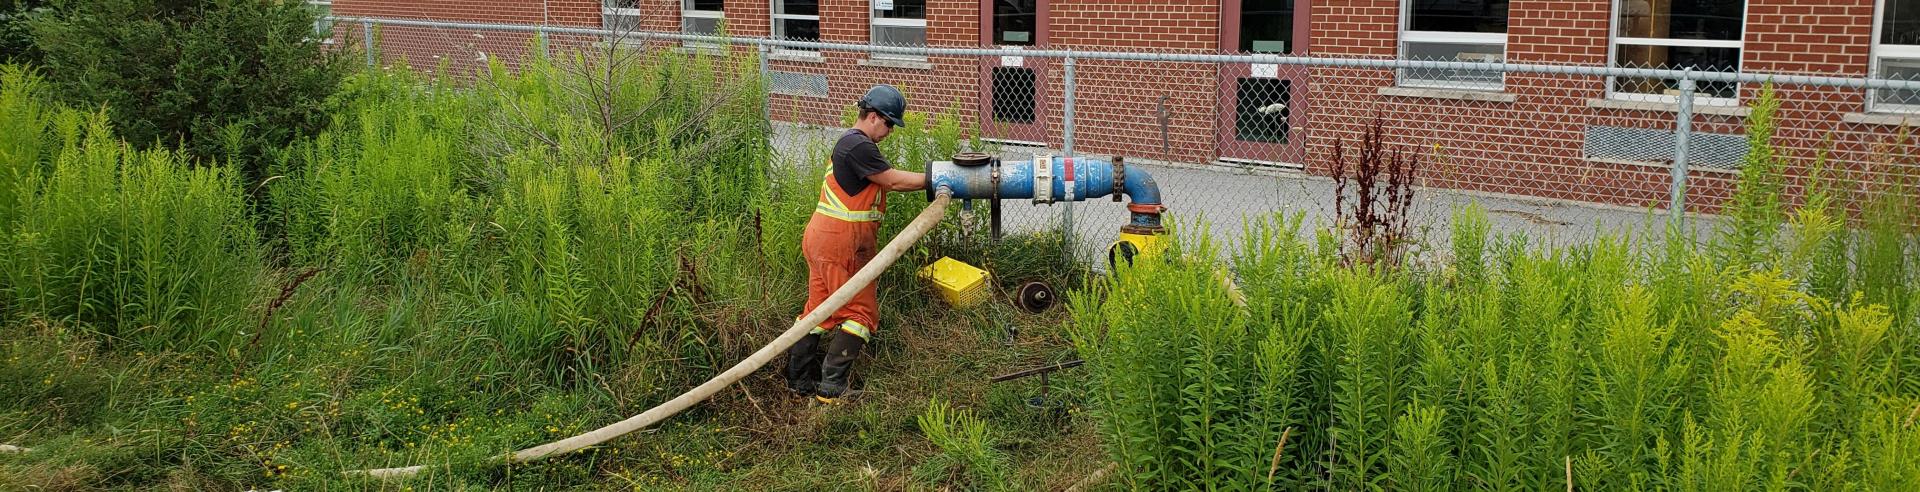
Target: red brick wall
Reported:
point(1820, 37)
point(463, 50)
point(1117, 102)
point(948, 85)
point(1533, 145)
point(1529, 146)
point(496, 11)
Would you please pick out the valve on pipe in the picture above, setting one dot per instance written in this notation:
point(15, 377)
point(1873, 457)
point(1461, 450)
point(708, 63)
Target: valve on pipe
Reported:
point(1048, 179)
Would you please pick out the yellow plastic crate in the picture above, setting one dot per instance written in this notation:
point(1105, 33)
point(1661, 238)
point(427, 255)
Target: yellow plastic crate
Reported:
point(960, 284)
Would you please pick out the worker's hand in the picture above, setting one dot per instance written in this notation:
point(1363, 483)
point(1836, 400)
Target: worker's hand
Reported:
point(898, 180)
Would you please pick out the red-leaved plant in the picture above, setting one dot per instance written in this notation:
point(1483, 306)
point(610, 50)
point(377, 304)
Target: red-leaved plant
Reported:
point(1375, 223)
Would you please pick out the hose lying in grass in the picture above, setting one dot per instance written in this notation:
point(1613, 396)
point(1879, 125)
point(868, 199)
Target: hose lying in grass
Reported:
point(1093, 479)
point(8, 448)
point(899, 245)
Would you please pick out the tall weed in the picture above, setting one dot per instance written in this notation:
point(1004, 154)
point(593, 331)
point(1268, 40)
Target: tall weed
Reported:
point(968, 457)
point(136, 244)
point(1587, 364)
point(1192, 404)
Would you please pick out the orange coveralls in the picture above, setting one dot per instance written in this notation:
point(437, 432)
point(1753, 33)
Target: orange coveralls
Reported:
point(840, 239)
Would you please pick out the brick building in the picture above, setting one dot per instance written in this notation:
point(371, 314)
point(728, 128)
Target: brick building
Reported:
point(1557, 136)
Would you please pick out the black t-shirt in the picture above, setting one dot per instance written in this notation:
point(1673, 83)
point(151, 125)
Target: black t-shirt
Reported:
point(855, 158)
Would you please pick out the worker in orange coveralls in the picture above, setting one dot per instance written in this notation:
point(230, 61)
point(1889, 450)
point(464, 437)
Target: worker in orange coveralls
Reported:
point(841, 238)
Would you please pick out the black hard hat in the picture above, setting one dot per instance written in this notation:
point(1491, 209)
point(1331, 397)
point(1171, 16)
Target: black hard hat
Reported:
point(886, 100)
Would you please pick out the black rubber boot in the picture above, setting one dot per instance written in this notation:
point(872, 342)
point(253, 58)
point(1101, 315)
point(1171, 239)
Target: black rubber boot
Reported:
point(803, 365)
point(841, 353)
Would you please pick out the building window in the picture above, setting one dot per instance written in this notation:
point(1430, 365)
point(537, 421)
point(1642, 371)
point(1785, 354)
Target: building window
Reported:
point(1015, 22)
point(1896, 53)
point(322, 28)
point(620, 16)
point(796, 20)
point(1266, 26)
point(1261, 109)
point(1454, 30)
point(1013, 100)
point(1702, 35)
point(899, 23)
point(702, 17)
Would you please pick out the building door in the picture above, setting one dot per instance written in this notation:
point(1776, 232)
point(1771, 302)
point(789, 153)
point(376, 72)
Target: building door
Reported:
point(1013, 89)
point(1263, 107)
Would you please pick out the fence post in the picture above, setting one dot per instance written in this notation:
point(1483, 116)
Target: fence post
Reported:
point(366, 37)
point(542, 35)
point(1066, 145)
point(1682, 133)
point(766, 84)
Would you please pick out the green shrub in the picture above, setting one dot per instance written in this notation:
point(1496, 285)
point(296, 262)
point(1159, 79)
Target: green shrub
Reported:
point(26, 107)
point(16, 37)
point(228, 80)
point(130, 242)
point(580, 218)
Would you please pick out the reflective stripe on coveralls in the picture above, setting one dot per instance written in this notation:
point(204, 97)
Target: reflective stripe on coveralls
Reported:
point(850, 326)
point(831, 206)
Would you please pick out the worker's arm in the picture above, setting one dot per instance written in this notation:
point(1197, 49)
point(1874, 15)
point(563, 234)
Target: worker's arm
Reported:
point(898, 180)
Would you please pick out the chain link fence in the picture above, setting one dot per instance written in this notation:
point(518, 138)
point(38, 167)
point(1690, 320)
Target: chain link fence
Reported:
point(1557, 153)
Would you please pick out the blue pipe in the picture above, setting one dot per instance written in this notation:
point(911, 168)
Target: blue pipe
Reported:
point(1092, 178)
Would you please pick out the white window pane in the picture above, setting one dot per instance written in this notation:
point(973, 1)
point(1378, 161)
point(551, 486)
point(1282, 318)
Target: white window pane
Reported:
point(899, 36)
point(700, 25)
point(1487, 16)
point(1718, 20)
point(620, 22)
point(620, 4)
point(1898, 69)
point(1455, 52)
point(709, 5)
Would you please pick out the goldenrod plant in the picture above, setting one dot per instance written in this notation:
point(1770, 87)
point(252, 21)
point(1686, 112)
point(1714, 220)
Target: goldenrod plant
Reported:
point(967, 456)
point(1766, 358)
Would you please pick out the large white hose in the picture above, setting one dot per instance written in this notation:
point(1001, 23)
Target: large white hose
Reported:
point(8, 448)
point(898, 246)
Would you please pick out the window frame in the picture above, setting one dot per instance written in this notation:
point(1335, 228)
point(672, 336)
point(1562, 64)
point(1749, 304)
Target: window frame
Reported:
point(1878, 52)
point(1615, 41)
point(1409, 36)
point(688, 12)
point(607, 10)
point(322, 28)
point(774, 29)
point(875, 22)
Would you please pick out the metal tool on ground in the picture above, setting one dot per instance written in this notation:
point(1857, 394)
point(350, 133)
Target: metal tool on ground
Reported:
point(1038, 401)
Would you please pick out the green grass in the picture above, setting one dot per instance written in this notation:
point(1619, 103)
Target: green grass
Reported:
point(456, 287)
point(452, 272)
